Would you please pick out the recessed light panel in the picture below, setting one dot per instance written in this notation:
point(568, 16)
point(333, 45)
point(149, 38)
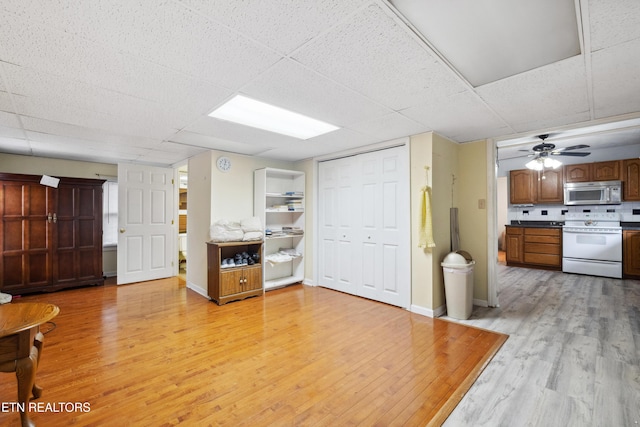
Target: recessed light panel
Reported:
point(257, 114)
point(490, 40)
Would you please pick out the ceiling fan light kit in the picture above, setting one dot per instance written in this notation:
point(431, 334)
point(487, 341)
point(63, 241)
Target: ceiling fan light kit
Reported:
point(542, 154)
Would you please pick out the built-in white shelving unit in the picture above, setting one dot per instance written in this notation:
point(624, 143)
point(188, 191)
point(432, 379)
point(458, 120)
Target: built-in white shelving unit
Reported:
point(279, 203)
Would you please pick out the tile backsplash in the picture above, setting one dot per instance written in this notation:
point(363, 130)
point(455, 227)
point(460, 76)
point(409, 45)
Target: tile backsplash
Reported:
point(629, 211)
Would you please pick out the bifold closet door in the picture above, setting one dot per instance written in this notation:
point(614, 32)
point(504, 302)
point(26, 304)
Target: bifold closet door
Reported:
point(364, 226)
point(336, 224)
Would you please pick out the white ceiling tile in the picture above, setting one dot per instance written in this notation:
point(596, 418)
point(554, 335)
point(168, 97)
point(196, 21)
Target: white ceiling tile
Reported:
point(613, 22)
point(9, 119)
point(555, 94)
point(389, 126)
point(291, 86)
point(192, 139)
point(282, 25)
point(616, 73)
point(374, 55)
point(460, 117)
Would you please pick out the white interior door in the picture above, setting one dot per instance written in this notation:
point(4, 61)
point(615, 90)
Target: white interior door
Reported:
point(364, 226)
point(384, 219)
point(336, 255)
point(146, 234)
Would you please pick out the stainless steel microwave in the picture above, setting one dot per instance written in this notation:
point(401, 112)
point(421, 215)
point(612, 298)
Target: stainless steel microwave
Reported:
point(593, 193)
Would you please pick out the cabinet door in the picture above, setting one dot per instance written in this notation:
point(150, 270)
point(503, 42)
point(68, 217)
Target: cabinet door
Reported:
point(550, 186)
point(522, 186)
point(252, 278)
point(78, 243)
point(631, 258)
point(231, 282)
point(515, 244)
point(606, 171)
point(631, 169)
point(25, 241)
point(577, 173)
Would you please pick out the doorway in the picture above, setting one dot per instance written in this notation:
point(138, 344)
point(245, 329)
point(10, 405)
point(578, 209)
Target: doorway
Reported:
point(183, 178)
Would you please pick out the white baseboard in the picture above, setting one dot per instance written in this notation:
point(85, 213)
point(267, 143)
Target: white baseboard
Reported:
point(439, 311)
point(110, 273)
point(481, 302)
point(197, 289)
point(308, 282)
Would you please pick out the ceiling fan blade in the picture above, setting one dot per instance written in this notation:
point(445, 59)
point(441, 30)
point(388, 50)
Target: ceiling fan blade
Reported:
point(575, 154)
point(573, 147)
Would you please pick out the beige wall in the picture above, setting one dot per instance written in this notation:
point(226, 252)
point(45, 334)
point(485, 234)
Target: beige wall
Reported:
point(472, 210)
point(307, 166)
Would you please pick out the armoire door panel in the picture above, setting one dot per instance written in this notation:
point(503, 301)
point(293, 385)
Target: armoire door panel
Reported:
point(86, 235)
point(39, 269)
point(13, 239)
point(65, 234)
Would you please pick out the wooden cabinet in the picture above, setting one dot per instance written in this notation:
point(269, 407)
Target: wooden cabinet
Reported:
point(543, 247)
point(551, 186)
point(227, 284)
point(599, 171)
point(631, 253)
point(523, 187)
point(514, 245)
point(534, 247)
point(51, 237)
point(530, 187)
point(631, 178)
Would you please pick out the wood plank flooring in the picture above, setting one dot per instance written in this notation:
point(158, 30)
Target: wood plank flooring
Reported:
point(157, 354)
point(572, 358)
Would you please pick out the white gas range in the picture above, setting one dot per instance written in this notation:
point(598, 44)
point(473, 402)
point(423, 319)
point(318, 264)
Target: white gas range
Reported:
point(592, 244)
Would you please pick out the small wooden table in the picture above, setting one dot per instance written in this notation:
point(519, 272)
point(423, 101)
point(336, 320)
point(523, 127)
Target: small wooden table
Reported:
point(21, 346)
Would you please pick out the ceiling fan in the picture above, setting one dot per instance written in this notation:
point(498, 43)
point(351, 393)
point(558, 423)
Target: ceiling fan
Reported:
point(542, 153)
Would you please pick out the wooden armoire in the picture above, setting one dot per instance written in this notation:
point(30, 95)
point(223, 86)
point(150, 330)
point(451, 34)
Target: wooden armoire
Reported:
point(51, 238)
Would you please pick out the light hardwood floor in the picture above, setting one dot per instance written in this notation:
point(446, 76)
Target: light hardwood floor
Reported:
point(157, 354)
point(572, 358)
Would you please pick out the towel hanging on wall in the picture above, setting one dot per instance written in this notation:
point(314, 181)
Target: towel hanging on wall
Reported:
point(425, 239)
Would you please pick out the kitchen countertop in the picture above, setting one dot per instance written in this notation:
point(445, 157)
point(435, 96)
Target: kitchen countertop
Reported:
point(630, 225)
point(536, 224)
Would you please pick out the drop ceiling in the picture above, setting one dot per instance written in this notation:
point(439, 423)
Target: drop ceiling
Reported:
point(134, 81)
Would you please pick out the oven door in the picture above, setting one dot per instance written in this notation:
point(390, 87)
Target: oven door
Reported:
point(605, 245)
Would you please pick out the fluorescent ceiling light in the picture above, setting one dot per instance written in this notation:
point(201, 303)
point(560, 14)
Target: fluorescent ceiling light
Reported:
point(249, 112)
point(490, 40)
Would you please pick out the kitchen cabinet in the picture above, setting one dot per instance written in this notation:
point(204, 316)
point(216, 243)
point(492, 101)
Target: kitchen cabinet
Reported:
point(631, 177)
point(527, 186)
point(551, 186)
point(523, 188)
point(536, 247)
point(514, 245)
point(51, 237)
point(226, 284)
point(598, 171)
point(631, 253)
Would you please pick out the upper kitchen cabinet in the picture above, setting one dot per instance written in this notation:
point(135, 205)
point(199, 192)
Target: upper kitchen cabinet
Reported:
point(529, 187)
point(631, 177)
point(551, 186)
point(599, 171)
point(522, 187)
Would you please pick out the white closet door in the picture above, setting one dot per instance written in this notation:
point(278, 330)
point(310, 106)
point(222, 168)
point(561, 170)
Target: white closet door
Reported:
point(364, 226)
point(384, 219)
point(335, 216)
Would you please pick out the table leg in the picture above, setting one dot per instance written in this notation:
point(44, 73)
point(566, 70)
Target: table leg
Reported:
point(26, 375)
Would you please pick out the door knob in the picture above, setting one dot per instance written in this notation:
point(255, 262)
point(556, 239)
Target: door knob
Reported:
point(122, 230)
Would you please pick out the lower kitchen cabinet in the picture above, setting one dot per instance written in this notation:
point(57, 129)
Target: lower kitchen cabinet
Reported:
point(631, 253)
point(536, 247)
point(226, 284)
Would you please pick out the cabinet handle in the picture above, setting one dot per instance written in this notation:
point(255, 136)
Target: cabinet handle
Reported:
point(55, 218)
point(49, 218)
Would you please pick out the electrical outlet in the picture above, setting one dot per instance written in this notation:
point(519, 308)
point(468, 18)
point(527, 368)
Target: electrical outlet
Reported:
point(482, 204)
point(544, 212)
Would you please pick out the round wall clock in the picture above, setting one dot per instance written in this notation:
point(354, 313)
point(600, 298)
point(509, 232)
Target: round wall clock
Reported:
point(224, 163)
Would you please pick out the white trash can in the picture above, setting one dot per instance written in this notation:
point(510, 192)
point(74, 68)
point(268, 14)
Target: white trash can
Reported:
point(458, 284)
